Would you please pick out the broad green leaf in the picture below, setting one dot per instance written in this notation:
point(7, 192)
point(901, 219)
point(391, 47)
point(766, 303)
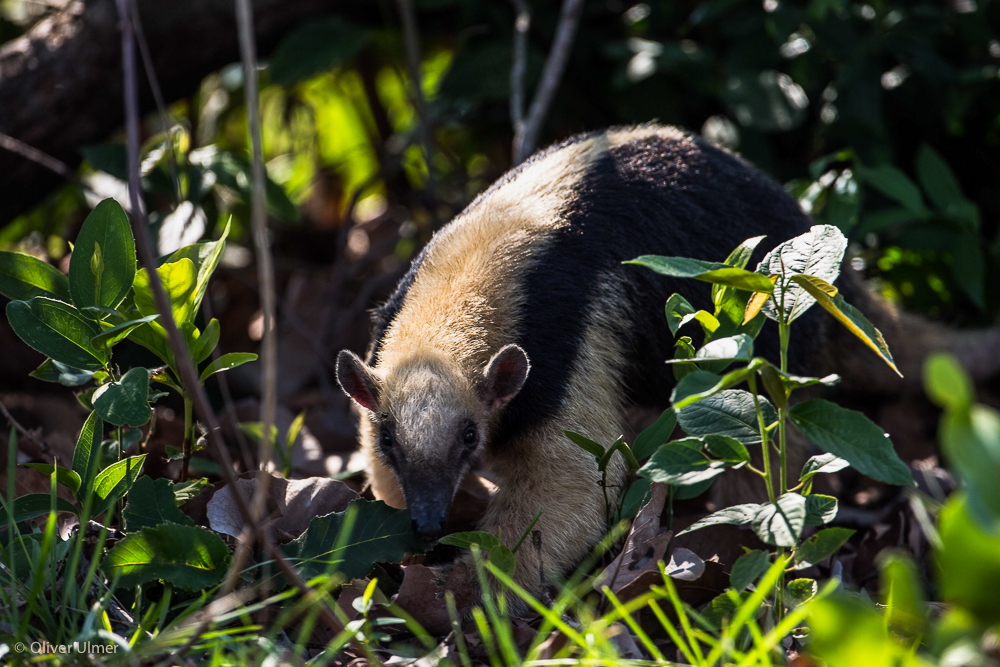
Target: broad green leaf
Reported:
point(820, 509)
point(802, 590)
point(380, 534)
point(852, 436)
point(728, 449)
point(902, 593)
point(65, 476)
point(126, 401)
point(680, 465)
point(655, 435)
point(938, 180)
point(677, 309)
point(747, 569)
point(594, 448)
point(207, 342)
point(846, 631)
point(110, 337)
point(153, 337)
point(893, 183)
point(792, 382)
point(771, 377)
point(315, 47)
point(847, 315)
point(87, 454)
point(503, 558)
point(738, 258)
point(57, 330)
point(737, 515)
point(179, 282)
point(729, 412)
point(780, 523)
point(188, 557)
point(947, 383)
point(205, 257)
point(636, 496)
point(818, 252)
point(483, 540)
point(822, 463)
point(710, 272)
point(51, 370)
point(820, 546)
point(23, 277)
point(185, 491)
point(968, 562)
point(256, 431)
point(971, 442)
point(756, 303)
point(699, 388)
point(112, 483)
point(709, 323)
point(107, 226)
point(234, 172)
point(731, 348)
point(151, 503)
point(38, 504)
point(227, 362)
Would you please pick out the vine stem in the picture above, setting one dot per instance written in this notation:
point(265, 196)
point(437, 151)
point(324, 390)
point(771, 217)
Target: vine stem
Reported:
point(752, 381)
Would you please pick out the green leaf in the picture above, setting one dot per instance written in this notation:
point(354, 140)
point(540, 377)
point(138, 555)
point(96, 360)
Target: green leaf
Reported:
point(111, 158)
point(679, 464)
point(820, 509)
point(710, 272)
point(33, 505)
point(730, 413)
point(126, 401)
point(207, 342)
point(153, 337)
point(65, 476)
point(380, 534)
point(185, 491)
point(110, 337)
point(227, 362)
point(636, 496)
point(852, 436)
point(947, 383)
point(827, 296)
point(737, 515)
point(802, 590)
point(677, 310)
point(51, 370)
point(818, 252)
point(503, 558)
point(728, 449)
point(780, 523)
point(205, 257)
point(894, 184)
point(87, 454)
point(738, 258)
point(747, 569)
point(108, 226)
point(179, 282)
point(23, 277)
point(315, 47)
point(820, 546)
point(971, 442)
point(57, 330)
point(969, 266)
point(822, 463)
point(731, 348)
point(112, 483)
point(938, 180)
point(655, 434)
point(151, 503)
point(698, 389)
point(586, 444)
point(189, 557)
point(968, 562)
point(483, 540)
point(902, 593)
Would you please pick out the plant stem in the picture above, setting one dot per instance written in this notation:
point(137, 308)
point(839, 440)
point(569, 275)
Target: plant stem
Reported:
point(752, 381)
point(187, 437)
point(782, 469)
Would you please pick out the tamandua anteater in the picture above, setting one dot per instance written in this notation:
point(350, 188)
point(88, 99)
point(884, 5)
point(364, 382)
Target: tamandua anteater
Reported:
point(518, 320)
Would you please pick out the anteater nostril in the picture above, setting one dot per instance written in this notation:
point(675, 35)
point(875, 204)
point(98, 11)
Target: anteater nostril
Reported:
point(428, 531)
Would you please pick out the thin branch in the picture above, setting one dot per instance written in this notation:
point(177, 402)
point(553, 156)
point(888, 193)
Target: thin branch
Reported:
point(28, 435)
point(522, 23)
point(185, 364)
point(28, 152)
point(555, 64)
point(262, 244)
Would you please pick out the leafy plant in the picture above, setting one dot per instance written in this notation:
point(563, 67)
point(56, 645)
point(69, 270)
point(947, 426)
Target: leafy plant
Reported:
point(722, 422)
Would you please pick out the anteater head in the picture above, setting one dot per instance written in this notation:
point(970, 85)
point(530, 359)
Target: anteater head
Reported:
point(430, 421)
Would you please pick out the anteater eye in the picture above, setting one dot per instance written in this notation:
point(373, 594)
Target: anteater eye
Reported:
point(385, 440)
point(470, 436)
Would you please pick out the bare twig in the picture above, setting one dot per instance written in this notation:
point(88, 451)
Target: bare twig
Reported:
point(43, 159)
point(412, 41)
point(524, 142)
point(28, 435)
point(522, 23)
point(185, 364)
point(262, 244)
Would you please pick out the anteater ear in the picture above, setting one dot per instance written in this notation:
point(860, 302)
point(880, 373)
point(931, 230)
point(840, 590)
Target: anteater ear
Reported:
point(504, 376)
point(358, 380)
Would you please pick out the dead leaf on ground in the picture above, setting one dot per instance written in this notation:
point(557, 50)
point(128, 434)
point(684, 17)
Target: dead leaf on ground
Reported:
point(422, 596)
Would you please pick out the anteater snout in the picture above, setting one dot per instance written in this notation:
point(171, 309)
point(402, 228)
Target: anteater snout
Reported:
point(428, 530)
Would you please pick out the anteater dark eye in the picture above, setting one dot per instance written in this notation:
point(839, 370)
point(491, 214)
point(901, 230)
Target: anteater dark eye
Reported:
point(470, 436)
point(385, 440)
